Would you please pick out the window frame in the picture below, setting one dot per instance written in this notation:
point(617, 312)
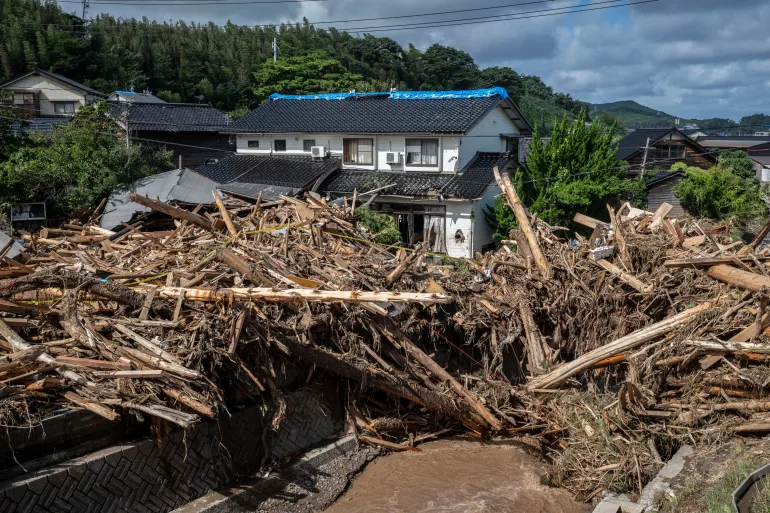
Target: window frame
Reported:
point(423, 153)
point(275, 145)
point(56, 104)
point(252, 143)
point(308, 148)
point(346, 153)
point(666, 151)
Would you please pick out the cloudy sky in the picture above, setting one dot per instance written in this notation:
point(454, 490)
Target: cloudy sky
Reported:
point(690, 58)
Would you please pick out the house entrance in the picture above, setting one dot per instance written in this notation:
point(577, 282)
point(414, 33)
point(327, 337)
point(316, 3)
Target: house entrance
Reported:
point(419, 223)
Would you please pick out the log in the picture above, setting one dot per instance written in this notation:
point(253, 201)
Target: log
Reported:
point(589, 221)
point(371, 377)
point(753, 427)
point(18, 344)
point(406, 264)
point(623, 276)
point(133, 374)
point(739, 278)
point(621, 345)
point(146, 344)
point(92, 364)
point(521, 216)
point(728, 347)
point(535, 353)
point(310, 295)
point(225, 214)
point(88, 404)
point(178, 213)
point(158, 363)
point(190, 401)
point(239, 265)
point(438, 371)
point(620, 240)
point(710, 261)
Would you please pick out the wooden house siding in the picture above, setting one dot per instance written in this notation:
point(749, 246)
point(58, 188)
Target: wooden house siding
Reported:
point(693, 156)
point(663, 192)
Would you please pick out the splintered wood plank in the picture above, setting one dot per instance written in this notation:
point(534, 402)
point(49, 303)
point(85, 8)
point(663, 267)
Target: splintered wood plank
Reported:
point(92, 364)
point(148, 299)
point(93, 406)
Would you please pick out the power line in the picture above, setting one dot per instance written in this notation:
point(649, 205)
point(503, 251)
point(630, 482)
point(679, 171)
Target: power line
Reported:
point(152, 3)
point(541, 13)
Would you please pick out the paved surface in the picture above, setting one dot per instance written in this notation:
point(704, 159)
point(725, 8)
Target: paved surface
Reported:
point(310, 484)
point(142, 477)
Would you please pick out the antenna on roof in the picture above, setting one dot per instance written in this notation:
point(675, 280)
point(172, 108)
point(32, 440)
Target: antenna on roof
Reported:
point(86, 5)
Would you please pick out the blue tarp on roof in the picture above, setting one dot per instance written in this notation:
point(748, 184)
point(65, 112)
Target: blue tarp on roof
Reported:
point(399, 95)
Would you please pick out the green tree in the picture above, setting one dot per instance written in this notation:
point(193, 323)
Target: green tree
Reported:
point(576, 170)
point(169, 96)
point(738, 162)
point(313, 73)
point(500, 218)
point(78, 165)
point(719, 193)
point(381, 226)
point(445, 67)
point(505, 78)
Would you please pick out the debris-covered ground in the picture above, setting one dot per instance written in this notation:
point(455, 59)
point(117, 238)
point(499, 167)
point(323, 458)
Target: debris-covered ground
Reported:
point(611, 350)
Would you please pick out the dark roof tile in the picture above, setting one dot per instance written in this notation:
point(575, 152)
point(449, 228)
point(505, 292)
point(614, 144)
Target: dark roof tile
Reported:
point(282, 171)
point(369, 113)
point(171, 117)
point(634, 142)
point(477, 175)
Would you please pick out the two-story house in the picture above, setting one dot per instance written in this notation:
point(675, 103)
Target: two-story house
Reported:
point(41, 94)
point(428, 156)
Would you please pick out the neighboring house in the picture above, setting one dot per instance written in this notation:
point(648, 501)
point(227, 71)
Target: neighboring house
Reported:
point(694, 133)
point(757, 147)
point(39, 125)
point(40, 93)
point(432, 151)
point(134, 97)
point(192, 131)
point(667, 146)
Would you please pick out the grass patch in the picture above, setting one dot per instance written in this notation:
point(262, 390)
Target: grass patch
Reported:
point(718, 499)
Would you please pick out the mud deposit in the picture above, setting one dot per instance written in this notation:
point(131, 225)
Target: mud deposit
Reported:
point(459, 476)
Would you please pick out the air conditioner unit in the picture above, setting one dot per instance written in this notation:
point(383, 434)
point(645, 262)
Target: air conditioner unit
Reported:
point(318, 152)
point(392, 157)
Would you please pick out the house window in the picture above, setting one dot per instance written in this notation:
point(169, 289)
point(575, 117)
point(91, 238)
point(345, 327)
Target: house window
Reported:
point(307, 145)
point(280, 145)
point(64, 107)
point(422, 152)
point(358, 151)
point(253, 144)
point(674, 151)
point(24, 98)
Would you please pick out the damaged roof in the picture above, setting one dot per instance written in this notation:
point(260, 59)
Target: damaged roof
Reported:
point(470, 183)
point(372, 113)
point(284, 171)
point(170, 117)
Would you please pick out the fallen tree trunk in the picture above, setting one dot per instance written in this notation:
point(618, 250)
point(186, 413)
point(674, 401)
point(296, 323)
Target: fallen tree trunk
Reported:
point(521, 216)
point(739, 278)
point(172, 211)
point(623, 276)
point(322, 296)
point(618, 346)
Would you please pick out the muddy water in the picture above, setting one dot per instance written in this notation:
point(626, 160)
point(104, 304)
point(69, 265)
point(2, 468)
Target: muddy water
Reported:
point(456, 476)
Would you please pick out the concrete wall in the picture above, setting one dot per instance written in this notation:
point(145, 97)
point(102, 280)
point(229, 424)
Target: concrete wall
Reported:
point(48, 91)
point(482, 232)
point(149, 477)
point(459, 229)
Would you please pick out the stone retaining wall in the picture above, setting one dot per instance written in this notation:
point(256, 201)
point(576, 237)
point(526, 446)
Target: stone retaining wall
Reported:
point(144, 477)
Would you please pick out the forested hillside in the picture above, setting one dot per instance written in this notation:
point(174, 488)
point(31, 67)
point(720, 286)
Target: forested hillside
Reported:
point(226, 65)
point(634, 115)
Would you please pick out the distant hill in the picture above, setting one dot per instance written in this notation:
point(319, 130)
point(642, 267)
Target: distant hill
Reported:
point(635, 115)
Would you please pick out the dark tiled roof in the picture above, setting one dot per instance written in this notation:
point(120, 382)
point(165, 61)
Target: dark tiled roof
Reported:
point(41, 125)
point(366, 114)
point(406, 184)
point(469, 183)
point(477, 175)
point(171, 117)
point(636, 140)
point(282, 171)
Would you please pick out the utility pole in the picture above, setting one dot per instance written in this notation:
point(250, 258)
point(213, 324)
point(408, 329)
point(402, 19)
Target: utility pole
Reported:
point(275, 49)
point(644, 161)
point(86, 4)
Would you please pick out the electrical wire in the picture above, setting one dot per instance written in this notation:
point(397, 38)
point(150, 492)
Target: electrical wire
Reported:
point(189, 2)
point(541, 13)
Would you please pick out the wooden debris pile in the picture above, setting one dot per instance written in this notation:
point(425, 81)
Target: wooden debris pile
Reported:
point(612, 348)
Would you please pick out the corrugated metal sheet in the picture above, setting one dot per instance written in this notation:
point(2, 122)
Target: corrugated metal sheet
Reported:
point(177, 185)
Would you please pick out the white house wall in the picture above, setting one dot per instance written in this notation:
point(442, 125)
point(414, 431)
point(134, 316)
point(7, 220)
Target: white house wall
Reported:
point(48, 91)
point(448, 148)
point(482, 232)
point(485, 135)
point(459, 229)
